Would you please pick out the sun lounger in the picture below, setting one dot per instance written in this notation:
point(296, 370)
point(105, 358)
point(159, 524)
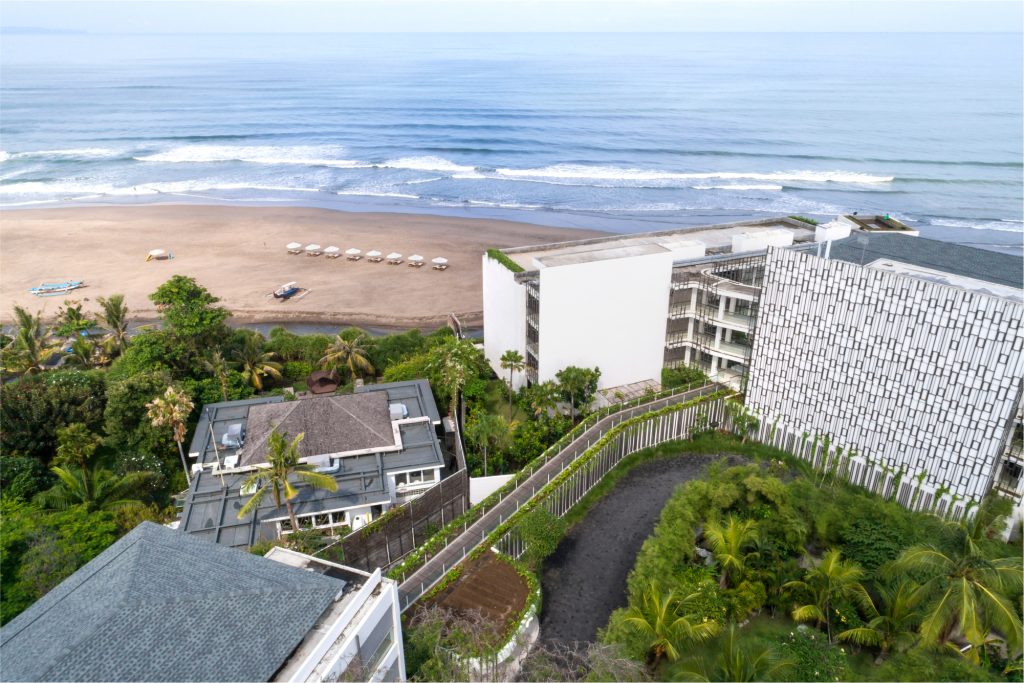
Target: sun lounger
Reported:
point(294, 248)
point(313, 250)
point(353, 254)
point(332, 252)
point(394, 259)
point(440, 263)
point(415, 261)
point(374, 256)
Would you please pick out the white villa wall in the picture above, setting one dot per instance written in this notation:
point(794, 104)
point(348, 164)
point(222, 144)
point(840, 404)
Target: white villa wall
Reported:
point(504, 316)
point(912, 374)
point(609, 314)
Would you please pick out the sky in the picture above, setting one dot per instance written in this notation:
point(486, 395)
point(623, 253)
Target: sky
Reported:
point(339, 16)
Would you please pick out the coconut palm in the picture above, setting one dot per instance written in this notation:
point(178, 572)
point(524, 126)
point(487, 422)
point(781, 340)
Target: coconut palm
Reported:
point(735, 661)
point(218, 367)
point(275, 478)
point(662, 619)
point(83, 354)
point(453, 363)
point(892, 619)
point(831, 580)
point(32, 347)
point(114, 316)
point(75, 446)
point(254, 363)
point(96, 488)
point(967, 592)
point(514, 362)
point(348, 353)
point(172, 410)
point(544, 397)
point(487, 431)
point(730, 544)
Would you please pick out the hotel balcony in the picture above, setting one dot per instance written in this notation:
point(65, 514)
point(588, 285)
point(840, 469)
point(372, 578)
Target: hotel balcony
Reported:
point(533, 320)
point(728, 350)
point(733, 321)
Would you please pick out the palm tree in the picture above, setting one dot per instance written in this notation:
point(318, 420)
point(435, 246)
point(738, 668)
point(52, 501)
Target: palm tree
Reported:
point(283, 462)
point(83, 354)
point(32, 346)
point(729, 544)
point(735, 661)
point(892, 627)
point(453, 362)
point(966, 590)
point(172, 411)
point(488, 430)
point(218, 367)
point(76, 446)
point(544, 397)
point(255, 363)
point(114, 316)
point(96, 488)
point(350, 354)
point(514, 362)
point(830, 580)
point(663, 621)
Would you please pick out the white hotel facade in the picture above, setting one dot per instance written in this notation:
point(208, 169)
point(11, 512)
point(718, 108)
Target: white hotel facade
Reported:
point(907, 350)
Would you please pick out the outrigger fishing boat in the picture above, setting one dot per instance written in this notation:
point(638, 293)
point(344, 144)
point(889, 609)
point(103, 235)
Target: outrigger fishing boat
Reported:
point(289, 290)
point(56, 288)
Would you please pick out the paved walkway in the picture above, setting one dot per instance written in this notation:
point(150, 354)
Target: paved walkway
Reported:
point(421, 581)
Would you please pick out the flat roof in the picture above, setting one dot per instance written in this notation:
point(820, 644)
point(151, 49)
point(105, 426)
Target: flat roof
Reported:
point(947, 257)
point(158, 605)
point(715, 238)
point(214, 498)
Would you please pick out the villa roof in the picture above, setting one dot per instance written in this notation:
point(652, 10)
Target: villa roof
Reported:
point(957, 259)
point(331, 424)
point(159, 605)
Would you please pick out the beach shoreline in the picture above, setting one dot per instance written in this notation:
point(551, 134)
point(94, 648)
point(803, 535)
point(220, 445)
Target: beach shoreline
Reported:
point(238, 253)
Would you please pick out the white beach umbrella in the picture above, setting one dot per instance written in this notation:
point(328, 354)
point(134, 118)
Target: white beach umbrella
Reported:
point(313, 247)
point(353, 251)
point(440, 260)
point(294, 245)
point(373, 253)
point(155, 253)
point(393, 255)
point(331, 250)
point(415, 258)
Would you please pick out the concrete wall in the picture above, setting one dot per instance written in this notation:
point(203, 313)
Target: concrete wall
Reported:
point(609, 314)
point(504, 316)
point(912, 374)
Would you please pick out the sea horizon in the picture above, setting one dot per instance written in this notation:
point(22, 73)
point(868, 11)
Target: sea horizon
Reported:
point(608, 131)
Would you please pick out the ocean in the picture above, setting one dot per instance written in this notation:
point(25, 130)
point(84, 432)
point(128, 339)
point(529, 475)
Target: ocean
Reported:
point(624, 132)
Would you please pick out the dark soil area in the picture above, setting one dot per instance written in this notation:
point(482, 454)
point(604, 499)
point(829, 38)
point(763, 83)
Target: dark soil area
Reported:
point(489, 585)
point(585, 579)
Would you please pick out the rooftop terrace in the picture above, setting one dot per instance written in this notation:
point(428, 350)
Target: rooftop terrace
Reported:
point(681, 242)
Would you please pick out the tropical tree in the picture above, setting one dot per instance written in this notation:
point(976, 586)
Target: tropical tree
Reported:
point(543, 397)
point(514, 362)
point(218, 367)
point(114, 317)
point(95, 488)
point(966, 591)
point(32, 347)
point(71, 320)
point(578, 386)
point(172, 410)
point(734, 661)
point(275, 478)
point(83, 354)
point(664, 622)
point(487, 431)
point(730, 544)
point(831, 580)
point(349, 353)
point(76, 446)
point(254, 363)
point(892, 619)
point(454, 363)
point(743, 419)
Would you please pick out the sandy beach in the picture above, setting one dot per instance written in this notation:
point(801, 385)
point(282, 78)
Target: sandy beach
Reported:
point(239, 254)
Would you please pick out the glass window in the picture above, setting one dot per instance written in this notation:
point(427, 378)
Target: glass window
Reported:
point(400, 479)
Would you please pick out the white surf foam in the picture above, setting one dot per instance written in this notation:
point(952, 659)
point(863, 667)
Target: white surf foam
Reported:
point(574, 171)
point(371, 193)
point(73, 153)
point(1002, 225)
point(304, 155)
point(773, 188)
point(89, 191)
point(428, 163)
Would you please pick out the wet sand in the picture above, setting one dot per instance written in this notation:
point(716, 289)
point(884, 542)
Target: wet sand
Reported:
point(238, 253)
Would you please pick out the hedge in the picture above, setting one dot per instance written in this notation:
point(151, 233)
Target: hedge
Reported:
point(502, 258)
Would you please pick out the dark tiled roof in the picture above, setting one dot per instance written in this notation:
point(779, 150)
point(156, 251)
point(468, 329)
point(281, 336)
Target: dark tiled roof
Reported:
point(981, 264)
point(331, 424)
point(159, 605)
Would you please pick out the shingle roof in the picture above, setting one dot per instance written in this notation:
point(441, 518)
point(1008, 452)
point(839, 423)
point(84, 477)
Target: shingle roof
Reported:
point(159, 605)
point(981, 264)
point(331, 424)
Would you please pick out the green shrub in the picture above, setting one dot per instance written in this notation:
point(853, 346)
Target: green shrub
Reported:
point(681, 376)
point(297, 370)
point(813, 658)
point(918, 665)
point(503, 259)
point(804, 219)
point(541, 531)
